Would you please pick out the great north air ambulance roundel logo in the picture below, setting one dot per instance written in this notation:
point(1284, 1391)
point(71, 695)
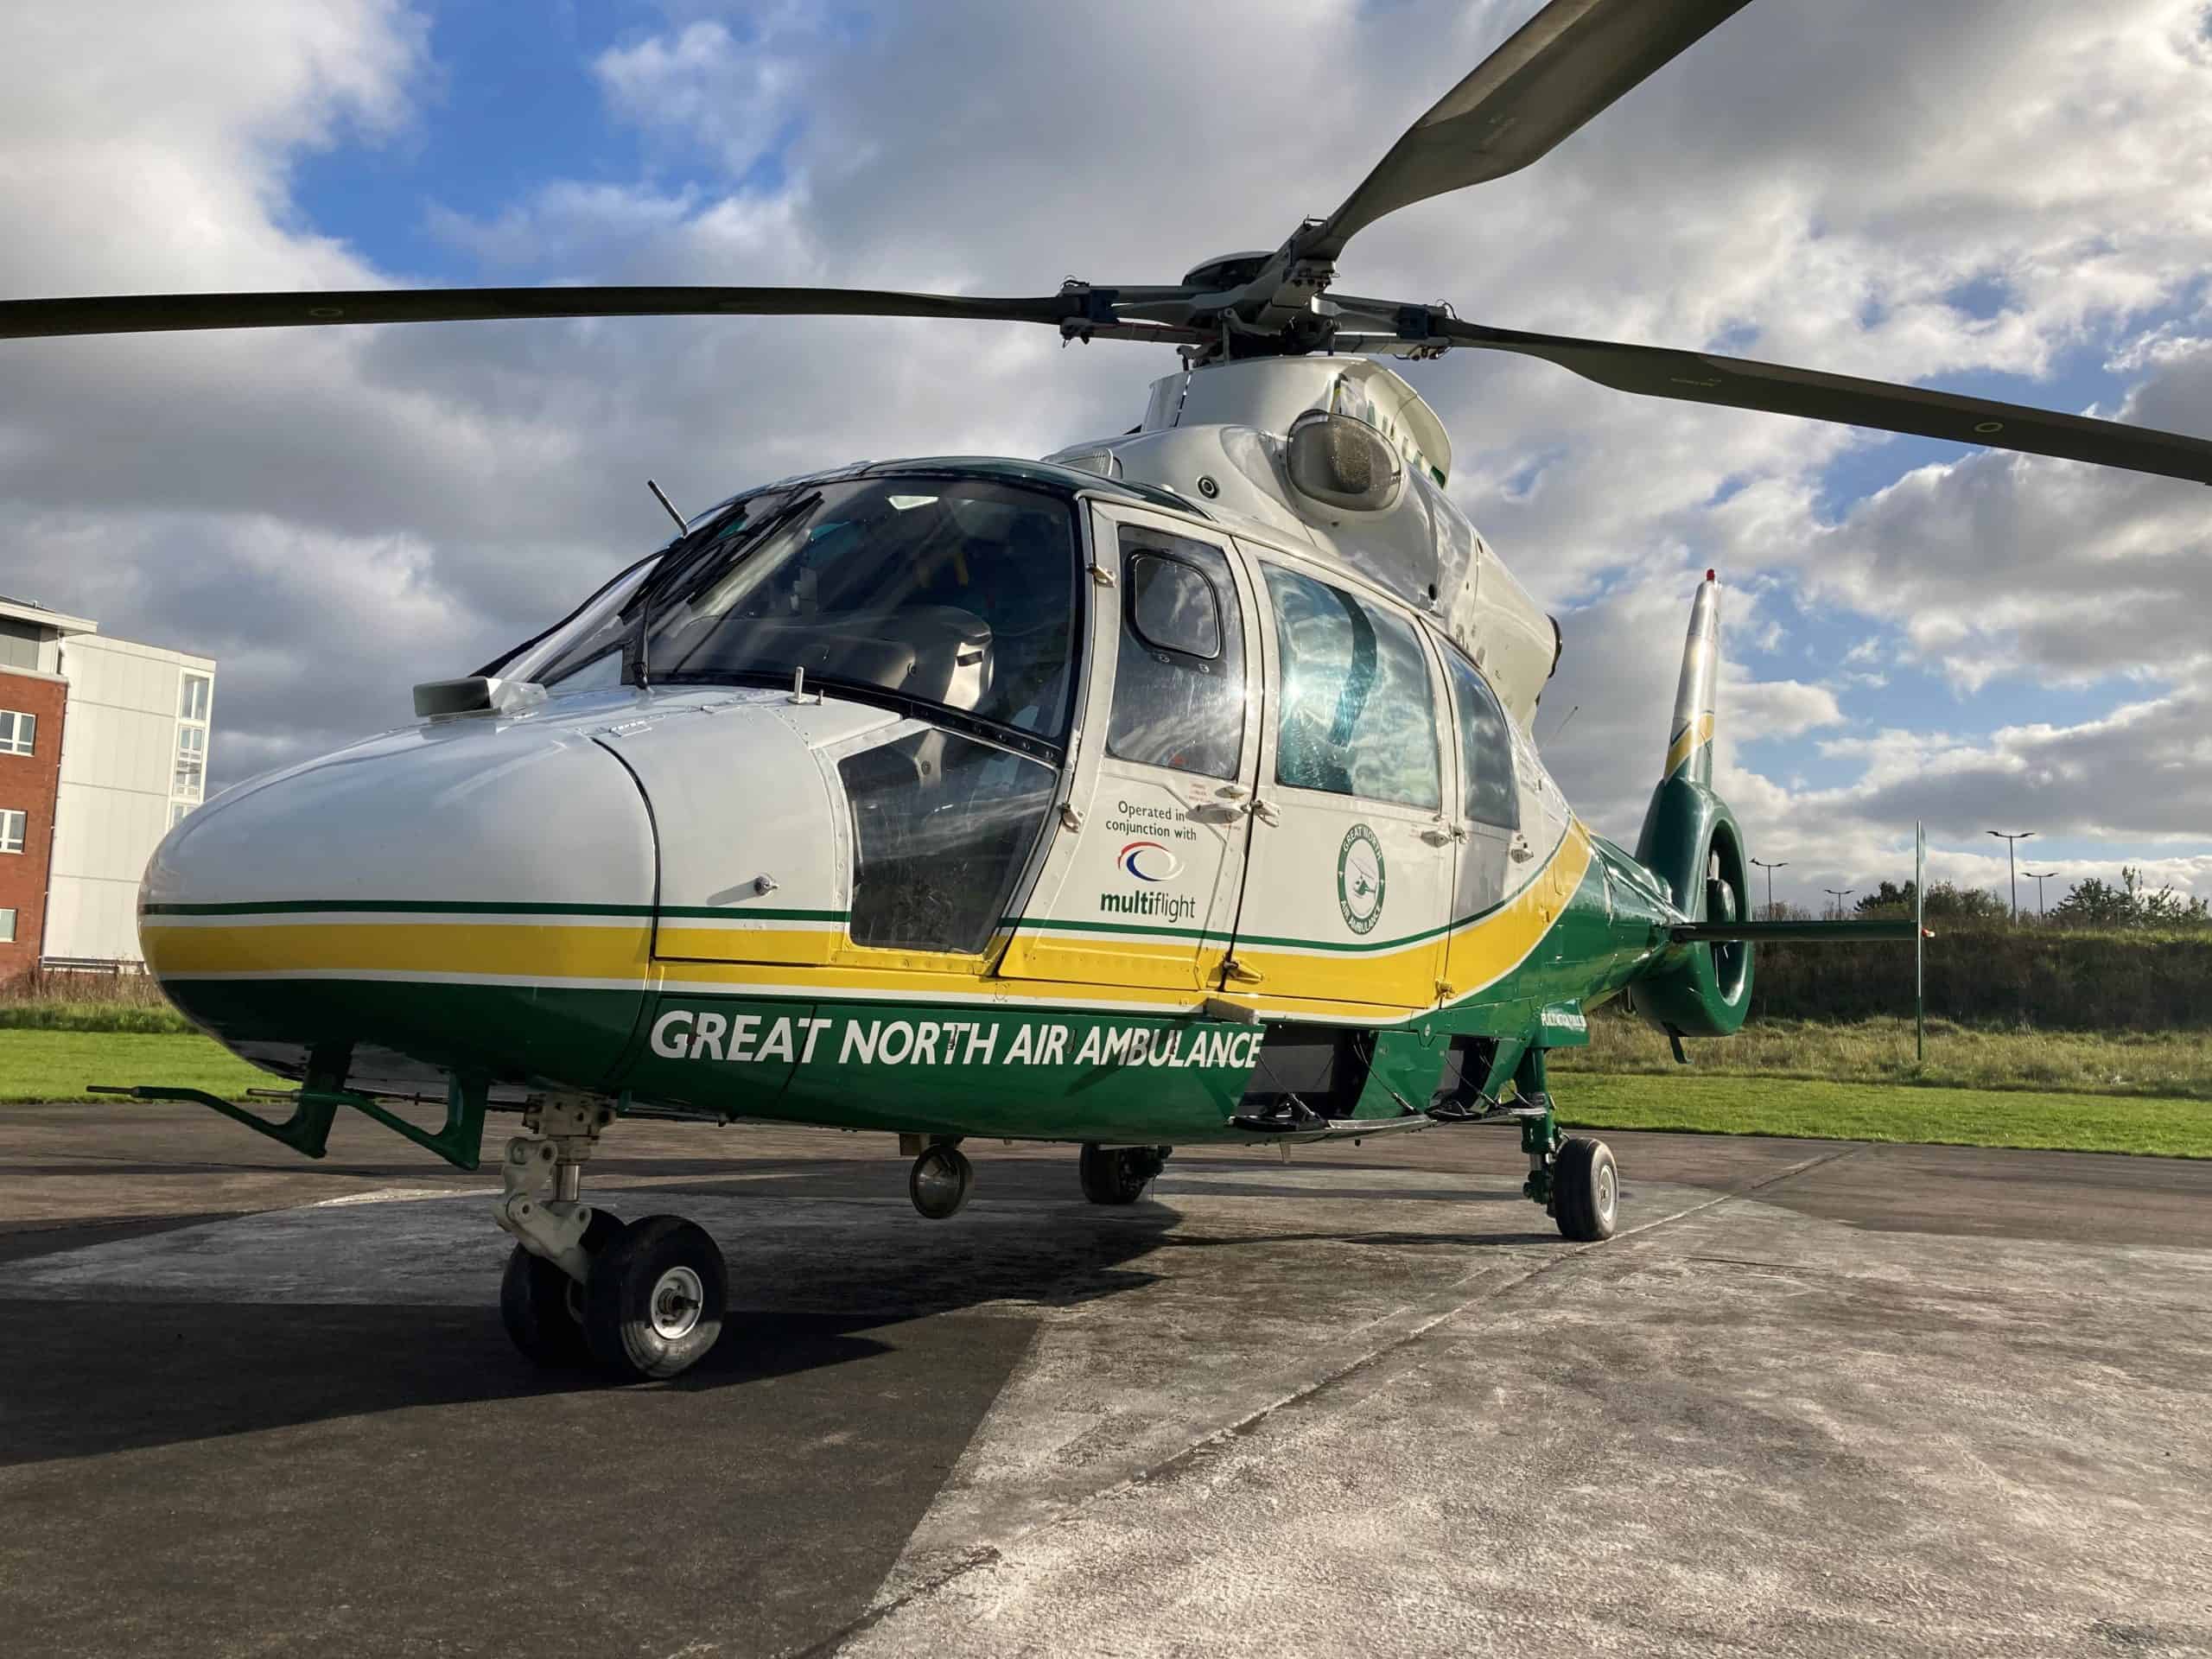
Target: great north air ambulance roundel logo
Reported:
point(1359, 879)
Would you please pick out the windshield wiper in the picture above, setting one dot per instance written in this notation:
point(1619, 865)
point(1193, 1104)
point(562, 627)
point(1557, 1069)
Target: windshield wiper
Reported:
point(647, 598)
point(1019, 739)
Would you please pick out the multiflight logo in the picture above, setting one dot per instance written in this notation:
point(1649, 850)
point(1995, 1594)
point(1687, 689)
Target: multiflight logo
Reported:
point(1159, 906)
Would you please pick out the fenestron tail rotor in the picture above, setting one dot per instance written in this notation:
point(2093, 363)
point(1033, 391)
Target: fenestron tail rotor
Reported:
point(1568, 63)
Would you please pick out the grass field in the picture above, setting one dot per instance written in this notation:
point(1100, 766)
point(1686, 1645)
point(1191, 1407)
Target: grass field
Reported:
point(50, 1064)
point(2172, 1063)
point(1857, 1111)
point(44, 1064)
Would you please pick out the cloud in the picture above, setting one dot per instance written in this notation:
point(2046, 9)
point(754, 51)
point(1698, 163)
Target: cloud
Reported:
point(1894, 189)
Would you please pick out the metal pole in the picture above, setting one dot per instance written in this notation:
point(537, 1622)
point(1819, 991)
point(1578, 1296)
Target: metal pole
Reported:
point(1838, 894)
point(2039, 877)
point(1919, 945)
point(2009, 837)
point(1771, 869)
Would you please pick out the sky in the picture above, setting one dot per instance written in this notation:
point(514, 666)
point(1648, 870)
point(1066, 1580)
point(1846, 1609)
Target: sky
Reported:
point(2004, 197)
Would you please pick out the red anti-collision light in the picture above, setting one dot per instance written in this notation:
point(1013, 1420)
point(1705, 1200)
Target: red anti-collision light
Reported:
point(1708, 576)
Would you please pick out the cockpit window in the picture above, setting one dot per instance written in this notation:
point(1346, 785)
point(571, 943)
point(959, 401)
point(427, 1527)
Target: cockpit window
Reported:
point(956, 592)
point(584, 648)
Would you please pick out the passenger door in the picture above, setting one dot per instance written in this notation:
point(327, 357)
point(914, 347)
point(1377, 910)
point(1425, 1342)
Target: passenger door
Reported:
point(1146, 893)
point(1494, 857)
point(1348, 884)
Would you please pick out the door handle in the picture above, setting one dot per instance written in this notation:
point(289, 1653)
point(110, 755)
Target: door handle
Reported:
point(1520, 849)
point(1217, 812)
point(1265, 812)
point(1437, 836)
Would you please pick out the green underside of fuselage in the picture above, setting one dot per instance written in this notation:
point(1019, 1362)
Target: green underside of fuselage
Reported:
point(1077, 1071)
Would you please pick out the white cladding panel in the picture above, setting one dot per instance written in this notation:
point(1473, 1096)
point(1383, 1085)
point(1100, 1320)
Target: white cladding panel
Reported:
point(118, 764)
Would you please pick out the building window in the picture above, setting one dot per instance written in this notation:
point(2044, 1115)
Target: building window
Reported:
point(192, 700)
point(7, 927)
point(191, 761)
point(18, 732)
point(13, 827)
point(177, 811)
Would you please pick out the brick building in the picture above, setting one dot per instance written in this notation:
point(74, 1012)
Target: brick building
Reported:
point(32, 708)
point(104, 745)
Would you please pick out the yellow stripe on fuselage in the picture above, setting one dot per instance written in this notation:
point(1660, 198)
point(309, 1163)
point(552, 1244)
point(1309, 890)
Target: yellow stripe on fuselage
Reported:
point(803, 962)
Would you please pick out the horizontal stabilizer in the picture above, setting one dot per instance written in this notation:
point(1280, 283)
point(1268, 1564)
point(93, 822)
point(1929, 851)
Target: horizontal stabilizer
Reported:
point(1896, 931)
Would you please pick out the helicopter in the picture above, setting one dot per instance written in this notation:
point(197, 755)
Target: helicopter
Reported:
point(1178, 788)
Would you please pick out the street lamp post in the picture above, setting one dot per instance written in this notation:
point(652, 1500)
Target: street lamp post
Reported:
point(1769, 870)
point(2039, 877)
point(1838, 894)
point(2009, 837)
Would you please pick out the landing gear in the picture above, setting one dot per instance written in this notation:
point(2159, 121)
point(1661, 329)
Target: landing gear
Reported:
point(643, 1301)
point(1573, 1177)
point(940, 1180)
point(1120, 1174)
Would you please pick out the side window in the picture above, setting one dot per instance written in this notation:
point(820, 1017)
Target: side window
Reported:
point(1486, 751)
point(1179, 686)
point(1356, 717)
point(941, 826)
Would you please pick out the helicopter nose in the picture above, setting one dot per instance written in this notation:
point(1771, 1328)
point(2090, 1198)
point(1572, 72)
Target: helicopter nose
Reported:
point(475, 900)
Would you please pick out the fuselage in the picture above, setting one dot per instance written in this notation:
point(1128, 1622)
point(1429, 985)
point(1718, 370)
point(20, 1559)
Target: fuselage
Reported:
point(1083, 799)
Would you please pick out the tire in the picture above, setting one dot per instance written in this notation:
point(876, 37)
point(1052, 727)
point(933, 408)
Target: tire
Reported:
point(940, 1181)
point(1586, 1187)
point(1119, 1174)
point(543, 1307)
point(655, 1303)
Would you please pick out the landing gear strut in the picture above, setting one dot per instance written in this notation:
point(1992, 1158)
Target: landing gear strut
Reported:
point(1120, 1174)
point(643, 1300)
point(1573, 1177)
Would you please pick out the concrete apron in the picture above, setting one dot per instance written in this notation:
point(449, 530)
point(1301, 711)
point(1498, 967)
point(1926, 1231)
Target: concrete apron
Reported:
point(1283, 1410)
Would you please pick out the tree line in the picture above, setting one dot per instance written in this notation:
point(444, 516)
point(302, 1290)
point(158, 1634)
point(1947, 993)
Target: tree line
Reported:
point(2130, 904)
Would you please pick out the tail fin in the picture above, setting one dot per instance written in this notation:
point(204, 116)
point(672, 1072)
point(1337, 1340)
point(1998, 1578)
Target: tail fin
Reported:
point(1691, 842)
point(1689, 743)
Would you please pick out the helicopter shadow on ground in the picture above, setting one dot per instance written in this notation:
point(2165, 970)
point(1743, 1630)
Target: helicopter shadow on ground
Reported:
point(824, 1271)
point(101, 1371)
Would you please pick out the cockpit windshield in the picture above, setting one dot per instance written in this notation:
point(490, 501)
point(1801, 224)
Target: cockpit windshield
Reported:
point(957, 592)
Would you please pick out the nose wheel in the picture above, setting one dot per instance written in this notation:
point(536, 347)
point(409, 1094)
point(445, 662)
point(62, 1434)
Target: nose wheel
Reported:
point(654, 1305)
point(543, 1308)
point(644, 1301)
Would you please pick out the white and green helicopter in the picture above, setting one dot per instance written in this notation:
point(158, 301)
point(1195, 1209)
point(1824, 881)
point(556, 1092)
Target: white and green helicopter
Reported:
point(1176, 789)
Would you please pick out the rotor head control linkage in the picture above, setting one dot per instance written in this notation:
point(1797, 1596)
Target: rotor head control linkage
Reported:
point(541, 1179)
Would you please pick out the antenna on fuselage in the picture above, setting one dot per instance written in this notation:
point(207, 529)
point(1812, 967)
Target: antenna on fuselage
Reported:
point(661, 496)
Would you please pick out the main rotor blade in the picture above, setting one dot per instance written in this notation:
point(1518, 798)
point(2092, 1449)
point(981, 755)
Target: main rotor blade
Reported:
point(1740, 383)
point(1561, 67)
point(145, 313)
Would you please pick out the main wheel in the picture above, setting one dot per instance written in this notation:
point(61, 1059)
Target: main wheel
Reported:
point(543, 1307)
point(1585, 1188)
point(1119, 1174)
point(655, 1303)
point(940, 1181)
